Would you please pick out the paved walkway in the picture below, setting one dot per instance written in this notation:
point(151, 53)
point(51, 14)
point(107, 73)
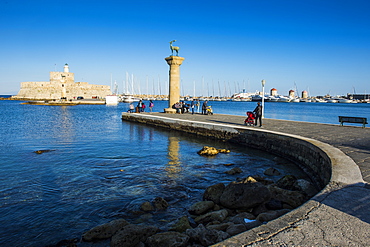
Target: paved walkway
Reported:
point(338, 216)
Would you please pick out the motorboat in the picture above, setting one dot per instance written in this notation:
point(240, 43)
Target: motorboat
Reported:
point(332, 101)
point(345, 101)
point(271, 98)
point(129, 99)
point(294, 100)
point(318, 100)
point(283, 99)
point(257, 97)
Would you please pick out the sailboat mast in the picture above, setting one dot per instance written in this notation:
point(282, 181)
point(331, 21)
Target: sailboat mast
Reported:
point(193, 88)
point(126, 83)
point(147, 85)
point(111, 86)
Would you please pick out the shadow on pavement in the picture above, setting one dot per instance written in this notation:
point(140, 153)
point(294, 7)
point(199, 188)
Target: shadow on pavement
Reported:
point(352, 199)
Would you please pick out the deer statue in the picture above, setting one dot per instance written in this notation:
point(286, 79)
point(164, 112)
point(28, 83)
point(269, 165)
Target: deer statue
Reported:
point(174, 48)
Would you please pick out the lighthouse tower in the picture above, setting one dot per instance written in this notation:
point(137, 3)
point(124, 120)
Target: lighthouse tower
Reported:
point(66, 68)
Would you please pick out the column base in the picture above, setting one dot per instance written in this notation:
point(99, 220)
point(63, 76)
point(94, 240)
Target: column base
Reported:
point(169, 110)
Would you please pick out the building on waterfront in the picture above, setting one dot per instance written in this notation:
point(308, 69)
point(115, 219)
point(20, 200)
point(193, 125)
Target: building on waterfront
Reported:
point(304, 94)
point(365, 96)
point(61, 85)
point(273, 92)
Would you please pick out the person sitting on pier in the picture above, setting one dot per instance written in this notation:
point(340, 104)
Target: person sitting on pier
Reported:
point(131, 108)
point(184, 107)
point(177, 107)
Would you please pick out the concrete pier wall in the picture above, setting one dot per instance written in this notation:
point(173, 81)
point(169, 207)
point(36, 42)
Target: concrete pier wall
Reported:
point(336, 216)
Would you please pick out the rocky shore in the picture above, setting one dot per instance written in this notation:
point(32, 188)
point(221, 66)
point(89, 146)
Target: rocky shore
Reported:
point(224, 211)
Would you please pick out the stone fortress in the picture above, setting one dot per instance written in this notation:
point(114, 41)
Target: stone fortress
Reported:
point(61, 85)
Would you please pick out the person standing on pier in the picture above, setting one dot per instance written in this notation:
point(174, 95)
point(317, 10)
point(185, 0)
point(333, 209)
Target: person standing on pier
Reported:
point(204, 107)
point(139, 106)
point(131, 108)
point(192, 105)
point(258, 112)
point(151, 105)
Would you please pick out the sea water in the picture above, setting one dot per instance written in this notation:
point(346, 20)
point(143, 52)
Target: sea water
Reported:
point(99, 168)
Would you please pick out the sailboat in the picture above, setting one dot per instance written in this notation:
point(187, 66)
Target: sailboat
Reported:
point(127, 97)
point(112, 99)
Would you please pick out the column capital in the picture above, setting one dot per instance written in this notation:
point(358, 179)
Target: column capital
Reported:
point(174, 60)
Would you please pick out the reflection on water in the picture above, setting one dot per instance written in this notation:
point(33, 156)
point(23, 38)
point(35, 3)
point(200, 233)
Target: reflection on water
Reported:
point(173, 166)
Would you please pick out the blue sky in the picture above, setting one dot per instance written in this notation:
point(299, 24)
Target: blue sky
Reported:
point(314, 45)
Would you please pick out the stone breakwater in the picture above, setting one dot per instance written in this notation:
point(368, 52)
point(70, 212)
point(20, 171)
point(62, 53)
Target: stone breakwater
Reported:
point(225, 211)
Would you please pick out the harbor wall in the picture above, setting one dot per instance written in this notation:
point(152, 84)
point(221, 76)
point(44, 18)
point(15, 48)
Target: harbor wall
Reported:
point(53, 90)
point(328, 167)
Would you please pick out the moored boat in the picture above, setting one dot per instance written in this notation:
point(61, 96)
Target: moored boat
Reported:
point(332, 101)
point(129, 99)
point(283, 99)
point(345, 101)
point(111, 100)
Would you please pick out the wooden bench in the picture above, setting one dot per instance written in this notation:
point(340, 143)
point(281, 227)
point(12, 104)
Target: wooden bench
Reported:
point(359, 120)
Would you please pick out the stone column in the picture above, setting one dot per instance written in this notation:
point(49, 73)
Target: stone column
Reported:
point(174, 93)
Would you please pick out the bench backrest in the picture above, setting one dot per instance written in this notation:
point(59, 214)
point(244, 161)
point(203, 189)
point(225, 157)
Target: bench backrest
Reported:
point(362, 120)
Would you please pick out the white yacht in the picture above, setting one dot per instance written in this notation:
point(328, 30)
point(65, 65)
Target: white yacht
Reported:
point(345, 101)
point(129, 99)
point(295, 100)
point(332, 101)
point(283, 99)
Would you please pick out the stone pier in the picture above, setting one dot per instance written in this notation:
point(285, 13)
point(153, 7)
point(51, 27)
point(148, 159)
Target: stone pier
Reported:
point(174, 79)
point(335, 157)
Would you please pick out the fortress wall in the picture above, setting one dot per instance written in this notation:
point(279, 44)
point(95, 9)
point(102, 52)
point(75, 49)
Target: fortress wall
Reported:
point(87, 91)
point(53, 90)
point(59, 81)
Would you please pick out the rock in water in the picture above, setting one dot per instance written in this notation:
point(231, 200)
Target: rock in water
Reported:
point(168, 239)
point(244, 195)
point(181, 225)
point(131, 235)
point(201, 207)
point(214, 192)
point(43, 151)
point(147, 207)
point(104, 231)
point(271, 172)
point(160, 203)
point(209, 151)
point(206, 237)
